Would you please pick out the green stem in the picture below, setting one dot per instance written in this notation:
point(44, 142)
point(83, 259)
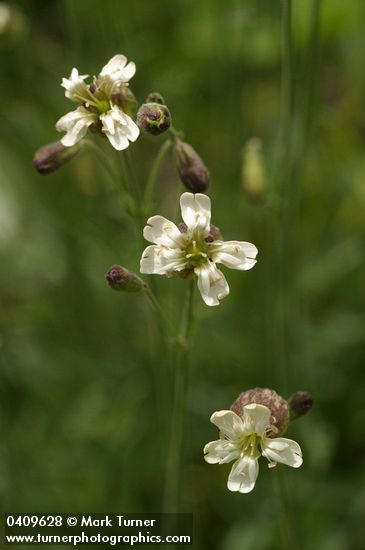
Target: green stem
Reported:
point(126, 198)
point(161, 364)
point(295, 143)
point(131, 183)
point(135, 181)
point(166, 322)
point(175, 451)
point(148, 198)
point(289, 540)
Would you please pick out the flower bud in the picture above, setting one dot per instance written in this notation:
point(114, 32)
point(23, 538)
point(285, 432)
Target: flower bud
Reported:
point(155, 97)
point(263, 396)
point(253, 172)
point(126, 100)
point(300, 403)
point(154, 118)
point(120, 278)
point(192, 170)
point(52, 156)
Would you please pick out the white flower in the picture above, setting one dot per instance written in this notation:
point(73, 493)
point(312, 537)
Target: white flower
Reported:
point(97, 105)
point(75, 87)
point(118, 70)
point(119, 128)
point(75, 124)
point(192, 251)
point(244, 440)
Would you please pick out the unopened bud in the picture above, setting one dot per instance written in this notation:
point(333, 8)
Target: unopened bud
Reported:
point(120, 278)
point(300, 403)
point(253, 172)
point(192, 170)
point(126, 100)
point(154, 118)
point(155, 97)
point(263, 396)
point(54, 155)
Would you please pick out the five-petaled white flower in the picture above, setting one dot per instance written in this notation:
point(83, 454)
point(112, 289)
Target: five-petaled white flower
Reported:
point(97, 106)
point(244, 440)
point(192, 249)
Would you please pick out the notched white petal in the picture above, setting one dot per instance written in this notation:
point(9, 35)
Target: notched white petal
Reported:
point(212, 284)
point(195, 211)
point(243, 475)
point(229, 423)
point(285, 451)
point(75, 124)
point(234, 254)
point(75, 87)
point(128, 72)
point(119, 128)
point(256, 418)
point(162, 231)
point(131, 130)
point(160, 260)
point(220, 452)
point(114, 64)
point(117, 70)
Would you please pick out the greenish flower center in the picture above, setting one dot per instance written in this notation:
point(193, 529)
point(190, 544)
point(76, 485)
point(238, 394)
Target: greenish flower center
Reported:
point(196, 253)
point(250, 444)
point(103, 106)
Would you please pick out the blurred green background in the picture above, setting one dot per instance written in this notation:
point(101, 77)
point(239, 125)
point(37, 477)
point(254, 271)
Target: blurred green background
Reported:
point(78, 420)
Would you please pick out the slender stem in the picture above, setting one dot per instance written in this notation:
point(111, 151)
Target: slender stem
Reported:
point(149, 191)
point(167, 324)
point(135, 181)
point(286, 524)
point(131, 185)
point(127, 200)
point(175, 451)
point(161, 370)
point(295, 143)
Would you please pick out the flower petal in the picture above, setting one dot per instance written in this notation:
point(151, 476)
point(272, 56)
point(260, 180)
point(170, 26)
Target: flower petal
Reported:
point(117, 70)
point(119, 128)
point(195, 211)
point(234, 254)
point(161, 231)
point(243, 474)
point(285, 451)
point(220, 452)
point(256, 418)
point(118, 139)
point(75, 124)
point(160, 260)
point(131, 129)
point(212, 284)
point(75, 87)
point(229, 423)
point(128, 72)
point(114, 64)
